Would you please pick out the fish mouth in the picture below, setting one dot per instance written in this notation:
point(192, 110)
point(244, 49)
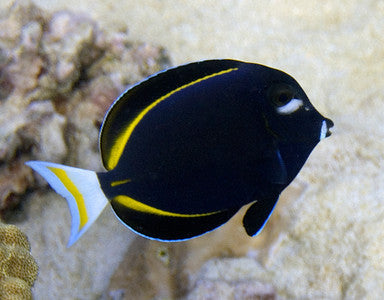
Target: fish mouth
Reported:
point(325, 126)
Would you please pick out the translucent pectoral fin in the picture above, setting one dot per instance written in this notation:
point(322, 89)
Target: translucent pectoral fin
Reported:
point(277, 171)
point(257, 215)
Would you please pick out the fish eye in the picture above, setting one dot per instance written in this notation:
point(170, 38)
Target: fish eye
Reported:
point(284, 98)
point(281, 94)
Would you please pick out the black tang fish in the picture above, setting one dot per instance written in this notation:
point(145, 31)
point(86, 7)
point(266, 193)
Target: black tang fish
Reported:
point(186, 148)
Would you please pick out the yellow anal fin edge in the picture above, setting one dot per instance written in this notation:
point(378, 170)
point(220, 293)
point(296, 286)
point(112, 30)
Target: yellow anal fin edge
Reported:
point(144, 208)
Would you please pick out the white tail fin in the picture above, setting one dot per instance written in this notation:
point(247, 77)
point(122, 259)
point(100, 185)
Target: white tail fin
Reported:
point(82, 190)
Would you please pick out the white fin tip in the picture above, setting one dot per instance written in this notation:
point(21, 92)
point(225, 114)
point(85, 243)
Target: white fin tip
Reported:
point(323, 130)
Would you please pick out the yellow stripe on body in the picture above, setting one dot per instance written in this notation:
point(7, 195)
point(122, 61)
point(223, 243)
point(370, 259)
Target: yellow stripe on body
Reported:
point(122, 139)
point(119, 182)
point(71, 187)
point(141, 207)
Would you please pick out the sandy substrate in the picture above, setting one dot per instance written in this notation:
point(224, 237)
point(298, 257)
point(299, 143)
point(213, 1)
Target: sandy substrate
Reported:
point(336, 51)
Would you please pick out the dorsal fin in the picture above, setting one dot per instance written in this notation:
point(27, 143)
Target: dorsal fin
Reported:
point(125, 112)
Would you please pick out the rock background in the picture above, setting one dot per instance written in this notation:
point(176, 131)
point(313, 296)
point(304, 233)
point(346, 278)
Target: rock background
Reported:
point(59, 74)
point(325, 238)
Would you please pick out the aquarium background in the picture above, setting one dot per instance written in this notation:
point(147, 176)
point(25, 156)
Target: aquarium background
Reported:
point(325, 238)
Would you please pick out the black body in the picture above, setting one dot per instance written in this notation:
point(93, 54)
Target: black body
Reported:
point(211, 141)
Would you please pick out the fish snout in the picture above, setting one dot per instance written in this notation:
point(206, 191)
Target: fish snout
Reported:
point(325, 126)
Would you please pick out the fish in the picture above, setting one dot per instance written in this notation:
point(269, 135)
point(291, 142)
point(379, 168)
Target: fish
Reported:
point(186, 148)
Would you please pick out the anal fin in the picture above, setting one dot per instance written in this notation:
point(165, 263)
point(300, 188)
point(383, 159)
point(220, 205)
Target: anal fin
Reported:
point(257, 215)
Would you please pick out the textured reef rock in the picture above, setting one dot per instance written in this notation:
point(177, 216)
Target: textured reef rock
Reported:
point(58, 75)
point(179, 270)
point(325, 238)
point(59, 72)
point(18, 269)
point(231, 279)
point(155, 270)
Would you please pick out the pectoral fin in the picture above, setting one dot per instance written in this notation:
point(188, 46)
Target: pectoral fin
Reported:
point(277, 171)
point(257, 215)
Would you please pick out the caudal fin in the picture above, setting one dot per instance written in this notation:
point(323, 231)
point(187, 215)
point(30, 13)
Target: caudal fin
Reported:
point(82, 190)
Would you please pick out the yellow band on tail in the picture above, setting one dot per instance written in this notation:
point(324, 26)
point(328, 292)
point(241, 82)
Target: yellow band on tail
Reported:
point(71, 187)
point(82, 190)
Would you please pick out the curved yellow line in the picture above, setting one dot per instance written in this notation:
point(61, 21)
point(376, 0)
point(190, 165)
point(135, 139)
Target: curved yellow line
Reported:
point(141, 207)
point(119, 182)
point(122, 139)
point(71, 187)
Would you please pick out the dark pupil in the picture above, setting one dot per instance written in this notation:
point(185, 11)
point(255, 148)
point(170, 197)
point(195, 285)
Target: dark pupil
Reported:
point(281, 93)
point(283, 98)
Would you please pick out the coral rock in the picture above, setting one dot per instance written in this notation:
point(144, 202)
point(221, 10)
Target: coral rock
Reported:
point(231, 279)
point(18, 269)
point(59, 74)
point(14, 179)
point(170, 270)
point(243, 290)
point(12, 288)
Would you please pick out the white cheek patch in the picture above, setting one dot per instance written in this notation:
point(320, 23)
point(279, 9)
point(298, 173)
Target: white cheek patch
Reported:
point(290, 107)
point(323, 130)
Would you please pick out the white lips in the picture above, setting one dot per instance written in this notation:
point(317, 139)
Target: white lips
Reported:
point(290, 107)
point(323, 130)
